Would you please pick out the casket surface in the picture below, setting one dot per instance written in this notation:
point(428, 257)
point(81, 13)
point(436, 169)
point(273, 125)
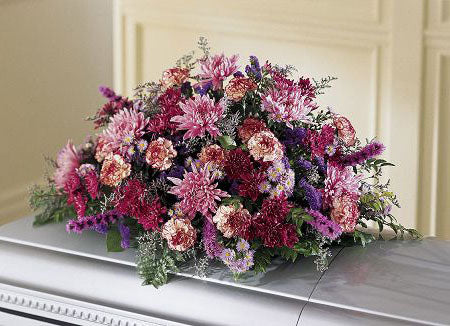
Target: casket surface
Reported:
point(49, 277)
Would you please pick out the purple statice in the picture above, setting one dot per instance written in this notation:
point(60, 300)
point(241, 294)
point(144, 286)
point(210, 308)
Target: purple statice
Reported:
point(95, 222)
point(321, 165)
point(238, 74)
point(304, 163)
point(176, 171)
point(312, 195)
point(253, 70)
point(203, 89)
point(369, 151)
point(293, 137)
point(125, 234)
point(108, 93)
point(326, 227)
point(101, 228)
point(212, 247)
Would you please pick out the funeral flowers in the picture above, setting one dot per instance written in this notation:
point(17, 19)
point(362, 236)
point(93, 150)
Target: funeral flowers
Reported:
point(219, 161)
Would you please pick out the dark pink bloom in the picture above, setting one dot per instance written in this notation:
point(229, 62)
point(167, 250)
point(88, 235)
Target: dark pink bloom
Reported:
point(217, 68)
point(200, 116)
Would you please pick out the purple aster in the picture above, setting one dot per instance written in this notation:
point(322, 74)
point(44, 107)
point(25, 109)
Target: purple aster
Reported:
point(328, 228)
point(242, 245)
point(125, 234)
point(228, 256)
point(202, 90)
point(312, 195)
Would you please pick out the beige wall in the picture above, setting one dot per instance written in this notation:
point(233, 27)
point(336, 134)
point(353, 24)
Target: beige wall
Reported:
point(53, 56)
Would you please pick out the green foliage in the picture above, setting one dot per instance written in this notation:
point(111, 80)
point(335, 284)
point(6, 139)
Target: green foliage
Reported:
point(297, 216)
point(262, 259)
point(155, 260)
point(227, 142)
point(362, 238)
point(50, 204)
point(113, 240)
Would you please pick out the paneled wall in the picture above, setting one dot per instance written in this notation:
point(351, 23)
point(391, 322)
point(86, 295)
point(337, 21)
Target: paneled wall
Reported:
point(53, 56)
point(391, 58)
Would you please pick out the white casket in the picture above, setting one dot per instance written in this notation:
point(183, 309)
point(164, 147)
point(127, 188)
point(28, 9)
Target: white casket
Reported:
point(49, 277)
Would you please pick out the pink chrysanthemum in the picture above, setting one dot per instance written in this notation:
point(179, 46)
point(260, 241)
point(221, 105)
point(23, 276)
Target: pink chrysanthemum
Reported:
point(67, 162)
point(287, 102)
point(340, 181)
point(200, 116)
point(198, 192)
point(124, 130)
point(218, 68)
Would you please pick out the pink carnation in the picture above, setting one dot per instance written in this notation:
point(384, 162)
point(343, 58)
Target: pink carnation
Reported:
point(287, 102)
point(124, 130)
point(265, 146)
point(200, 116)
point(218, 68)
point(345, 212)
point(114, 170)
point(67, 161)
point(160, 153)
point(346, 132)
point(179, 233)
point(198, 192)
point(340, 181)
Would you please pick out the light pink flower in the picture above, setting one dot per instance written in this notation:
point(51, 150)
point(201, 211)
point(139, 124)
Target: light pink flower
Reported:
point(160, 153)
point(346, 132)
point(287, 102)
point(340, 181)
point(124, 129)
point(264, 145)
point(200, 116)
point(198, 192)
point(174, 77)
point(345, 212)
point(179, 233)
point(114, 170)
point(67, 161)
point(217, 68)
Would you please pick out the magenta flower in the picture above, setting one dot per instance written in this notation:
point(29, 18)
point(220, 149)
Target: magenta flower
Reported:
point(218, 68)
point(198, 192)
point(124, 130)
point(340, 181)
point(287, 102)
point(200, 116)
point(67, 161)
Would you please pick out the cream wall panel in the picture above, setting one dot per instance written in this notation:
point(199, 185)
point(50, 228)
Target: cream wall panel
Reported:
point(53, 56)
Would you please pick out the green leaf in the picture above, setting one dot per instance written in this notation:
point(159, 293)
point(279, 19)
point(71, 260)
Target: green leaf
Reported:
point(113, 239)
point(227, 142)
point(362, 237)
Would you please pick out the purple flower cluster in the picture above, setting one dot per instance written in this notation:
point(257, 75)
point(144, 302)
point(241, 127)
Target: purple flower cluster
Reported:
point(304, 164)
point(253, 70)
point(125, 234)
point(312, 195)
point(280, 179)
point(321, 165)
point(293, 137)
point(369, 151)
point(328, 228)
point(108, 93)
point(212, 247)
point(96, 222)
point(238, 261)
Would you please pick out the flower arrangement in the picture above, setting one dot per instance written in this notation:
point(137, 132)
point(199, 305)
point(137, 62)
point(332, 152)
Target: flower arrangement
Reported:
point(219, 162)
